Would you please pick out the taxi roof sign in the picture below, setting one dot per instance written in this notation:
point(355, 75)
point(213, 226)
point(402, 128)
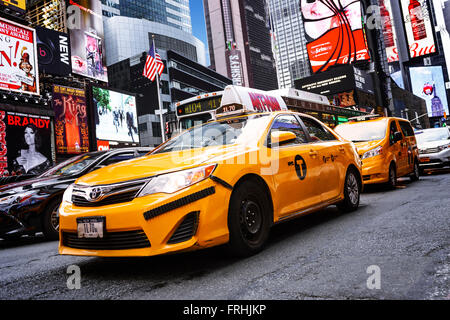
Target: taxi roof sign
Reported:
point(302, 95)
point(238, 99)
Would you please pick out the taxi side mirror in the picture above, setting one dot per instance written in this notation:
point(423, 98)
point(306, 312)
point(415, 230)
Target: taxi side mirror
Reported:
point(397, 136)
point(278, 138)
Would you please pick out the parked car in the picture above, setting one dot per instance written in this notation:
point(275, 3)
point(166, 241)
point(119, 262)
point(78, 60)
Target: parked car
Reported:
point(387, 147)
point(31, 206)
point(434, 147)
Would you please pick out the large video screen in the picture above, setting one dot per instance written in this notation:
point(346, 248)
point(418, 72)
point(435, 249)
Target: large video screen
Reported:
point(87, 39)
point(418, 27)
point(18, 58)
point(334, 32)
point(115, 116)
point(428, 83)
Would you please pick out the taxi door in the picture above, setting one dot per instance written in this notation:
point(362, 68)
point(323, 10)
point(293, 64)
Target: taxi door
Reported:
point(401, 150)
point(331, 152)
point(296, 169)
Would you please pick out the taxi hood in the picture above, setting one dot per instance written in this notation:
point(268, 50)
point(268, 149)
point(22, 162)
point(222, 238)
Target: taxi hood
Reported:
point(365, 146)
point(156, 164)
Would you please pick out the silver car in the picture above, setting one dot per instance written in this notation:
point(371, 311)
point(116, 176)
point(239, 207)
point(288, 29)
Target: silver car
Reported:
point(434, 147)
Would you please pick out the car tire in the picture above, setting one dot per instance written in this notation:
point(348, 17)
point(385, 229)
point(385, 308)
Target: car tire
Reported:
point(416, 172)
point(50, 223)
point(249, 219)
point(392, 180)
point(352, 192)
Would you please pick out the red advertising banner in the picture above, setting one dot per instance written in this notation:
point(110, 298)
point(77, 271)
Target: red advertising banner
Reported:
point(334, 31)
point(389, 33)
point(25, 143)
point(71, 123)
point(18, 58)
point(418, 27)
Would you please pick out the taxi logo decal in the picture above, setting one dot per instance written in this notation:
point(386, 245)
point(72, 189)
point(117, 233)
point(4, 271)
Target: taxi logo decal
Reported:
point(300, 167)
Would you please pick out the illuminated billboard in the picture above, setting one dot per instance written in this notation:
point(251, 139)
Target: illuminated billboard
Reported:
point(25, 143)
point(418, 27)
point(428, 83)
point(389, 34)
point(71, 121)
point(334, 32)
point(18, 58)
point(87, 39)
point(115, 116)
point(16, 5)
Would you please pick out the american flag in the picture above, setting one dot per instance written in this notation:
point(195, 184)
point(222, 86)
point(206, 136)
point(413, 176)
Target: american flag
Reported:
point(153, 64)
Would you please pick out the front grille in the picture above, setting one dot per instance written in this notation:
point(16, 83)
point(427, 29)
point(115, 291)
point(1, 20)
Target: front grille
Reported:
point(112, 241)
point(430, 150)
point(187, 229)
point(107, 194)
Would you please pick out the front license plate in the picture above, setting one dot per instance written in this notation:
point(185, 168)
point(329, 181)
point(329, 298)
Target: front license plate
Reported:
point(91, 227)
point(424, 159)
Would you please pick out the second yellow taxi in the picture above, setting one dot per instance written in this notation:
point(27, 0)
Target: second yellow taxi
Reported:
point(224, 182)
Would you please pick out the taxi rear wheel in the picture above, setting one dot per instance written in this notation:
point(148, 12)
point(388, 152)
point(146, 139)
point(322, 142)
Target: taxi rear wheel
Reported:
point(352, 192)
point(392, 181)
point(248, 219)
point(416, 172)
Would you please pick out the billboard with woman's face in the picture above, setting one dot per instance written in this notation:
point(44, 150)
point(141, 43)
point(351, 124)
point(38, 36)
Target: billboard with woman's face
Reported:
point(25, 143)
point(334, 31)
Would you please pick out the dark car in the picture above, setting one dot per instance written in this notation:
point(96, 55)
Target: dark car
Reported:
point(31, 206)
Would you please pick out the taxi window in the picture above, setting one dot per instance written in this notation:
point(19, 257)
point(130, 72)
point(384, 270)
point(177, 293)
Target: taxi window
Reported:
point(406, 128)
point(317, 131)
point(289, 123)
point(392, 130)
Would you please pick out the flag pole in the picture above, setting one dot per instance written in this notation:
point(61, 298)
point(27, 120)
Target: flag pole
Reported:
point(159, 98)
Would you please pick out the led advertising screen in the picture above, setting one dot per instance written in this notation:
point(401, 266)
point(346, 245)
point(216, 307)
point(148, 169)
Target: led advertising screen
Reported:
point(428, 83)
point(418, 27)
point(16, 5)
point(25, 143)
point(115, 116)
point(334, 32)
point(71, 121)
point(18, 59)
point(53, 49)
point(87, 40)
point(389, 34)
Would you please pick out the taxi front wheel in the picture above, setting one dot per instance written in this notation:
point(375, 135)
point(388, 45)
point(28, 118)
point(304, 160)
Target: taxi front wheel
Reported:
point(248, 219)
point(352, 192)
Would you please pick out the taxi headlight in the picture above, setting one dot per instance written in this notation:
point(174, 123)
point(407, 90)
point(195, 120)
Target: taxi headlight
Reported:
point(372, 153)
point(172, 182)
point(440, 148)
point(67, 197)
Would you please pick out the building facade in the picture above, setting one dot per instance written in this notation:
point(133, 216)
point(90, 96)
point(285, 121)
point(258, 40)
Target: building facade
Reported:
point(126, 37)
point(168, 12)
point(239, 42)
point(288, 41)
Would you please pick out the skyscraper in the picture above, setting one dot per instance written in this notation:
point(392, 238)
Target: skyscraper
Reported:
point(288, 41)
point(239, 42)
point(172, 13)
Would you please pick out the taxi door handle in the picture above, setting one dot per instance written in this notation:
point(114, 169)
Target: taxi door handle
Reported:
point(313, 153)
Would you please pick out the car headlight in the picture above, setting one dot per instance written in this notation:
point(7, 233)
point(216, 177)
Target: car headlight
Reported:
point(67, 196)
point(16, 198)
point(440, 148)
point(372, 153)
point(172, 182)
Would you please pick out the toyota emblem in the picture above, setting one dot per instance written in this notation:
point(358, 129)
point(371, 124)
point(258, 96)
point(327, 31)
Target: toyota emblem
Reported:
point(94, 194)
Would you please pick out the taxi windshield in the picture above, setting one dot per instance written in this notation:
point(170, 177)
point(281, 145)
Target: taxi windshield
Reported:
point(362, 131)
point(223, 132)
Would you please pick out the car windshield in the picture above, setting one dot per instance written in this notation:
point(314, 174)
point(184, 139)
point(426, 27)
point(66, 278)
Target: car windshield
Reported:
point(435, 134)
point(230, 131)
point(73, 165)
point(362, 131)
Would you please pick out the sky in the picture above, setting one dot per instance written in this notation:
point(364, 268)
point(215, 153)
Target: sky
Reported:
point(198, 24)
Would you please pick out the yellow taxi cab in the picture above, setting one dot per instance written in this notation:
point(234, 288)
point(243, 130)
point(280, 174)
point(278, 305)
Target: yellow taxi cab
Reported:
point(387, 146)
point(224, 182)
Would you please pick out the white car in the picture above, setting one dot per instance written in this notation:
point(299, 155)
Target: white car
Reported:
point(434, 147)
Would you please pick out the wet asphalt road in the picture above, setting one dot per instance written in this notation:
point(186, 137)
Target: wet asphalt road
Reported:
point(404, 232)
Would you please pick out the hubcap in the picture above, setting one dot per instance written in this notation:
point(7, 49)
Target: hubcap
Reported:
point(352, 188)
point(250, 219)
point(54, 218)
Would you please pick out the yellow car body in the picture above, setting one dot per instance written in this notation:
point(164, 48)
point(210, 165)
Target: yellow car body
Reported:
point(229, 184)
point(402, 154)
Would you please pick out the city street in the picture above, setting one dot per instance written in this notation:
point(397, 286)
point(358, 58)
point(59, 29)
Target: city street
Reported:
point(326, 255)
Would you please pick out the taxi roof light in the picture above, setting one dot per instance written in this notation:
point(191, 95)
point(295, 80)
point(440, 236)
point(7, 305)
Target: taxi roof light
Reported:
point(364, 117)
